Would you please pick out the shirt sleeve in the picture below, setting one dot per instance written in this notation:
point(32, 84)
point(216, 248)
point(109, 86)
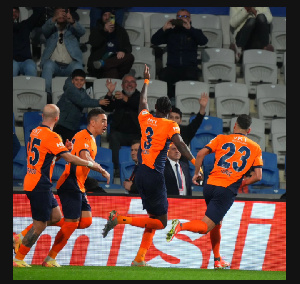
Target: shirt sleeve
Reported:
point(55, 144)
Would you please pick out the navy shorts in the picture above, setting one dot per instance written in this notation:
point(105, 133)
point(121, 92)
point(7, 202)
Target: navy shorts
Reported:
point(73, 202)
point(152, 189)
point(41, 203)
point(218, 200)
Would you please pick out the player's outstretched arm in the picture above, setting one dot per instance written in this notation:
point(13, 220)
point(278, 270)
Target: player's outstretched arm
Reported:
point(143, 97)
point(80, 162)
point(256, 175)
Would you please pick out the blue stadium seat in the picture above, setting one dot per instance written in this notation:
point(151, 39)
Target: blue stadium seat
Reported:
point(270, 174)
point(124, 155)
point(126, 169)
point(20, 166)
point(31, 120)
point(210, 127)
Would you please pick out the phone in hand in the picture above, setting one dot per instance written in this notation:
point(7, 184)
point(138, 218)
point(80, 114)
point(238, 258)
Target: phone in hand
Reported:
point(112, 19)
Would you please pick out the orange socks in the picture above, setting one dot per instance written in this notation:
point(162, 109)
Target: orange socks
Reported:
point(142, 222)
point(85, 222)
point(145, 244)
point(215, 238)
point(22, 252)
point(25, 231)
point(196, 226)
point(62, 237)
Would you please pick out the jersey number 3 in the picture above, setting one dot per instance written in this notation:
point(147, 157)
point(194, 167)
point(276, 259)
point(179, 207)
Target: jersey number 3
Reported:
point(149, 134)
point(223, 160)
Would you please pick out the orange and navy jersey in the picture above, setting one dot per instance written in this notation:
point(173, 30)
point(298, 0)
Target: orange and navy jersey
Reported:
point(42, 147)
point(74, 176)
point(235, 154)
point(156, 138)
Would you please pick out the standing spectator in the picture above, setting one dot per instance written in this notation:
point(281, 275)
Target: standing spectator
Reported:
point(22, 58)
point(235, 155)
point(124, 126)
point(96, 15)
point(251, 29)
point(129, 184)
point(177, 174)
point(71, 104)
point(182, 43)
point(111, 49)
point(62, 54)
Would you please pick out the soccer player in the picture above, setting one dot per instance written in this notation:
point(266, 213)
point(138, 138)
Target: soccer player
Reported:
point(70, 186)
point(235, 154)
point(43, 146)
point(157, 134)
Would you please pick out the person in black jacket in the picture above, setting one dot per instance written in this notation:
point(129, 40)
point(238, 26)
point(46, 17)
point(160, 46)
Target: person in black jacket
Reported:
point(23, 63)
point(111, 49)
point(182, 43)
point(177, 174)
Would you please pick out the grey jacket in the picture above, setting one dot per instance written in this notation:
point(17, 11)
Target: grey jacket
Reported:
point(71, 104)
point(71, 40)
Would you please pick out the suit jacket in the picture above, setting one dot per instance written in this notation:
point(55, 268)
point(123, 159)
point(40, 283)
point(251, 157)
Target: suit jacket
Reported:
point(171, 181)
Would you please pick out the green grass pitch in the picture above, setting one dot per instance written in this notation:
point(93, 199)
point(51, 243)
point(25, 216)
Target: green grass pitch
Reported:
point(37, 272)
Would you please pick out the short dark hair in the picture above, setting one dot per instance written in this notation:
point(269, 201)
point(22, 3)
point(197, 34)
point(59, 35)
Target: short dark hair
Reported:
point(244, 121)
point(94, 112)
point(163, 105)
point(78, 73)
point(135, 142)
point(177, 110)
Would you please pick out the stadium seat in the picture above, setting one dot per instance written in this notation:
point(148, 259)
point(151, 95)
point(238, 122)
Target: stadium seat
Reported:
point(270, 174)
point(124, 154)
point(31, 120)
point(257, 133)
point(259, 67)
point(156, 89)
point(85, 57)
point(284, 67)
point(28, 95)
point(126, 169)
point(19, 167)
point(57, 88)
point(278, 136)
point(84, 17)
point(134, 25)
point(187, 94)
point(211, 26)
point(278, 36)
point(210, 127)
point(218, 65)
point(231, 99)
point(104, 158)
point(100, 89)
point(271, 102)
point(158, 20)
point(143, 55)
point(58, 169)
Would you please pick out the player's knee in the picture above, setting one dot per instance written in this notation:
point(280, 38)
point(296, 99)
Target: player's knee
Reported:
point(85, 222)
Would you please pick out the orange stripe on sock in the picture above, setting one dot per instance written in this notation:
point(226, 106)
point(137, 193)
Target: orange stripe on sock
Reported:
point(146, 222)
point(196, 226)
point(25, 231)
point(22, 252)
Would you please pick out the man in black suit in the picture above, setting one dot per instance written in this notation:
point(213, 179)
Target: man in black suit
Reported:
point(177, 174)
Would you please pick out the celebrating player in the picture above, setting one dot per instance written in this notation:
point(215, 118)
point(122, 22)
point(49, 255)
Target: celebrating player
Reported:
point(157, 134)
point(43, 146)
point(235, 154)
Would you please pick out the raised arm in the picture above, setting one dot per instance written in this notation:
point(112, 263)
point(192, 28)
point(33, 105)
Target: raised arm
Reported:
point(143, 97)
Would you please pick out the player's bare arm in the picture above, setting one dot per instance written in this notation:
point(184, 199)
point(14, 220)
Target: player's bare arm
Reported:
point(182, 147)
point(256, 175)
point(199, 160)
point(80, 162)
point(143, 97)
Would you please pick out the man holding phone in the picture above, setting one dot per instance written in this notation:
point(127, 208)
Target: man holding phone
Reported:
point(111, 49)
point(182, 43)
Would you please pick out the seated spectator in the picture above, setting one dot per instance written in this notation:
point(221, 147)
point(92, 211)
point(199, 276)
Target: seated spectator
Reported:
point(182, 43)
point(124, 126)
point(251, 29)
point(62, 54)
point(129, 184)
point(96, 15)
point(71, 104)
point(177, 174)
point(23, 63)
point(110, 49)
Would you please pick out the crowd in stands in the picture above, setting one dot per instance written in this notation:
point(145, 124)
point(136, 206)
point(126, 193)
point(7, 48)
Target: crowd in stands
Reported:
point(59, 30)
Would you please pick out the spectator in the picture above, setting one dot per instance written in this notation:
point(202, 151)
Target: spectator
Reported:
point(129, 184)
point(62, 54)
point(124, 126)
point(182, 43)
point(251, 29)
point(71, 104)
point(111, 49)
point(23, 63)
point(177, 174)
point(96, 15)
